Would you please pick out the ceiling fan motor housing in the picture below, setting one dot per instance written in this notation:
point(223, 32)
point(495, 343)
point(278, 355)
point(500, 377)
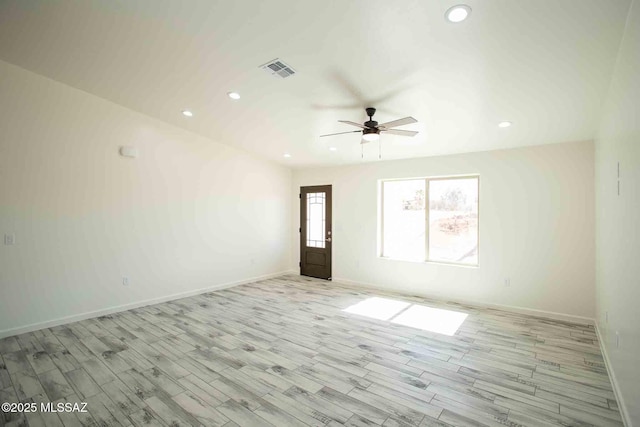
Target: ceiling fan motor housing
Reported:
point(372, 124)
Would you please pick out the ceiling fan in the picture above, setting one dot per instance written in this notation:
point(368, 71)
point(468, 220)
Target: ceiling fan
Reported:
point(371, 129)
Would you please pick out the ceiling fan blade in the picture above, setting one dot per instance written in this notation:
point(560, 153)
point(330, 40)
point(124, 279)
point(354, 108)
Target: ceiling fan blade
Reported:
point(399, 122)
point(353, 124)
point(340, 133)
point(400, 132)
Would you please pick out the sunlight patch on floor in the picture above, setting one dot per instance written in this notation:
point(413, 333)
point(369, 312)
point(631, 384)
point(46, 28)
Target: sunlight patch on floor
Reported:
point(417, 316)
point(436, 320)
point(378, 308)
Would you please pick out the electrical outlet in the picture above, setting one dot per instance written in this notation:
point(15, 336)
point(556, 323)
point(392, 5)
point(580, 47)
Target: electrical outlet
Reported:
point(507, 282)
point(617, 339)
point(618, 178)
point(125, 281)
point(9, 239)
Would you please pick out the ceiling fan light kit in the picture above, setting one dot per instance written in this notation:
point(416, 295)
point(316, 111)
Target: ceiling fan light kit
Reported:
point(370, 135)
point(371, 130)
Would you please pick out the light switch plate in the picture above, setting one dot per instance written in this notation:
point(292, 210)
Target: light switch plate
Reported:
point(9, 239)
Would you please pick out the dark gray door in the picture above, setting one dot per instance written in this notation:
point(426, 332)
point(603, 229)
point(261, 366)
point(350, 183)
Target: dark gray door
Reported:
point(315, 231)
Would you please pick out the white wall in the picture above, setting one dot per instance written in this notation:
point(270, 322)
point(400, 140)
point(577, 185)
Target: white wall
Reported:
point(189, 213)
point(536, 227)
point(618, 221)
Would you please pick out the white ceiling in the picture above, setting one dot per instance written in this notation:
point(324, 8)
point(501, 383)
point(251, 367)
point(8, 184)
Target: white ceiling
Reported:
point(545, 65)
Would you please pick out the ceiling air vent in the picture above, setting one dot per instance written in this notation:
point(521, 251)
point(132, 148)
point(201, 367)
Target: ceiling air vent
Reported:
point(278, 68)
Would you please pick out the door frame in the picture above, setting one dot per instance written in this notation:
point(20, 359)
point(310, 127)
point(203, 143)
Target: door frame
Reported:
point(328, 189)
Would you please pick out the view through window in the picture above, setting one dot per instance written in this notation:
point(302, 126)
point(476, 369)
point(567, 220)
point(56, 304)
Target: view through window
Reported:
point(431, 219)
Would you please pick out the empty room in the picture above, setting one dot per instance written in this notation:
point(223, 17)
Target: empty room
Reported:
point(293, 213)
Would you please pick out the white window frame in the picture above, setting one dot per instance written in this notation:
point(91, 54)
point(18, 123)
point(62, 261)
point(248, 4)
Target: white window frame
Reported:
point(427, 227)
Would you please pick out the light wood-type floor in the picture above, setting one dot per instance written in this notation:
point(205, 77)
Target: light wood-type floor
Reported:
point(283, 352)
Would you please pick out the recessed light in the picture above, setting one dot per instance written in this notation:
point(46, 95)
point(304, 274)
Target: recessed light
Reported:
point(233, 95)
point(504, 124)
point(187, 113)
point(287, 155)
point(333, 149)
point(457, 13)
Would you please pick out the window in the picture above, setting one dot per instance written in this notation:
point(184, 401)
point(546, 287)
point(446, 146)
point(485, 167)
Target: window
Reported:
point(430, 219)
point(316, 222)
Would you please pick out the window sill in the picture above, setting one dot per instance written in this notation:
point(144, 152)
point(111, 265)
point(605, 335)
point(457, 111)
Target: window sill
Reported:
point(449, 264)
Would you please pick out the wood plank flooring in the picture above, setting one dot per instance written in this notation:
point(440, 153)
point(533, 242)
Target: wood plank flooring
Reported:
point(282, 352)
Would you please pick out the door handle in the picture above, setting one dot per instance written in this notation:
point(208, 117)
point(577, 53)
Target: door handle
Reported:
point(328, 239)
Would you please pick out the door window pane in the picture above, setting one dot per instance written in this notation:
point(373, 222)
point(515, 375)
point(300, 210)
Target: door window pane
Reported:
point(316, 220)
point(453, 220)
point(404, 219)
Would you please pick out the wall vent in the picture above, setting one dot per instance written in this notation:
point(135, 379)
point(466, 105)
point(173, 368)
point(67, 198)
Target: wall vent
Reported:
point(278, 68)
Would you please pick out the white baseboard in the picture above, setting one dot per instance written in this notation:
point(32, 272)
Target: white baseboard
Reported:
point(626, 419)
point(521, 310)
point(103, 312)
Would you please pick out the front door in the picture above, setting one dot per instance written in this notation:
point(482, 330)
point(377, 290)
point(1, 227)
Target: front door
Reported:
point(315, 231)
